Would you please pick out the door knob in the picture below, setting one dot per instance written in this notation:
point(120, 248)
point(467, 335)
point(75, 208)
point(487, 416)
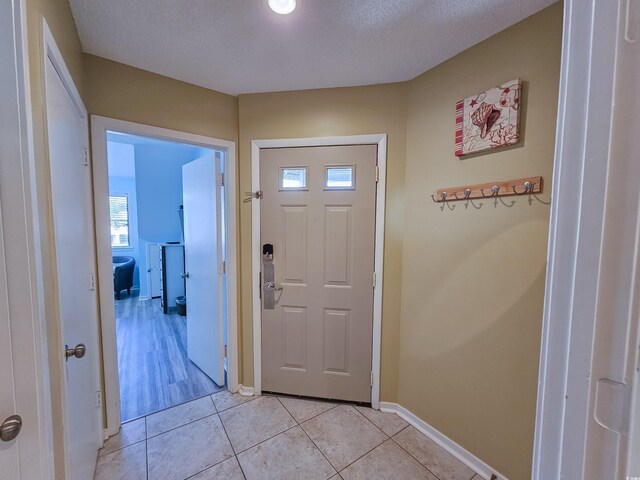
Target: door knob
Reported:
point(77, 352)
point(185, 275)
point(10, 428)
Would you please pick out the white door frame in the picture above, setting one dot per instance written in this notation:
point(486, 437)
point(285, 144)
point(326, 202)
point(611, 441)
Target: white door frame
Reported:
point(593, 261)
point(99, 127)
point(21, 250)
point(375, 139)
point(52, 53)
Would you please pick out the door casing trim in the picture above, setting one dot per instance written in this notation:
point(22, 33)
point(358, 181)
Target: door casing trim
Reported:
point(99, 127)
point(374, 139)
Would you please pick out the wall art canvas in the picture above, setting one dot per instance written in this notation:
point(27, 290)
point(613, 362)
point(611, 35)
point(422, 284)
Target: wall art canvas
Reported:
point(490, 119)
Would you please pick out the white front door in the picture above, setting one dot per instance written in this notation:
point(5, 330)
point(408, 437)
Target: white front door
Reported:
point(202, 200)
point(67, 128)
point(318, 214)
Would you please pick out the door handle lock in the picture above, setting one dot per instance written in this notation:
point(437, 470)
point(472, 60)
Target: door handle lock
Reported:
point(10, 428)
point(185, 275)
point(77, 352)
point(271, 287)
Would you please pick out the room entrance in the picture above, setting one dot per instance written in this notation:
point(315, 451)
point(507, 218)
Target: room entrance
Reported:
point(164, 282)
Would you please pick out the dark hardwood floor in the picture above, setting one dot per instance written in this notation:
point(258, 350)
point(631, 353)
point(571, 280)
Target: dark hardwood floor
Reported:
point(155, 372)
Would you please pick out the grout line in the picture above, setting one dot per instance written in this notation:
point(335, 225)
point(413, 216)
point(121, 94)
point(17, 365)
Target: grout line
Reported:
point(180, 426)
point(410, 454)
point(317, 415)
point(371, 422)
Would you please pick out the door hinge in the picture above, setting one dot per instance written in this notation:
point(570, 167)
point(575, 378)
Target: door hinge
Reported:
point(222, 269)
point(225, 351)
point(98, 399)
point(374, 279)
point(92, 281)
point(85, 160)
point(372, 379)
point(220, 179)
point(377, 174)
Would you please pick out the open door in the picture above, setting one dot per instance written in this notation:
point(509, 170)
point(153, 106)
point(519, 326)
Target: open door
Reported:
point(202, 199)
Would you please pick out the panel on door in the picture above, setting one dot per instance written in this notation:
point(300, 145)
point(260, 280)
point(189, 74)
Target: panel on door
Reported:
point(75, 264)
point(202, 200)
point(318, 212)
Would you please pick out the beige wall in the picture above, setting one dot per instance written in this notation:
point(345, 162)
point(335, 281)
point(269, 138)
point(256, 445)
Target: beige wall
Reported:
point(328, 112)
point(473, 279)
point(127, 93)
point(58, 16)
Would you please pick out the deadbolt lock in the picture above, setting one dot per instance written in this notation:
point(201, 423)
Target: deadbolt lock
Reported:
point(10, 428)
point(77, 352)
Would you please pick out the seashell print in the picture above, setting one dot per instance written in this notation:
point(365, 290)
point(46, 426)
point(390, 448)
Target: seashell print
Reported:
point(485, 117)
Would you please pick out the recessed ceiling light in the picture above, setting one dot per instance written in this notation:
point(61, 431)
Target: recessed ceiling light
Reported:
point(282, 7)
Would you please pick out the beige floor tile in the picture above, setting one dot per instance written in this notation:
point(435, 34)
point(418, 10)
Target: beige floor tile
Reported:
point(188, 450)
point(225, 400)
point(432, 456)
point(179, 415)
point(227, 470)
point(386, 462)
point(130, 433)
point(303, 410)
point(389, 423)
point(256, 421)
point(288, 456)
point(129, 463)
point(343, 435)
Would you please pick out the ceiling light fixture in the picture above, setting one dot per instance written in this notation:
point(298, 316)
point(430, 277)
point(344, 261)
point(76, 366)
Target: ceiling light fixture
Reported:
point(282, 7)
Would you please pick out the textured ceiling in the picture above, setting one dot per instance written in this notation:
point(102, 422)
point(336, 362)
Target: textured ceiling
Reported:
point(240, 46)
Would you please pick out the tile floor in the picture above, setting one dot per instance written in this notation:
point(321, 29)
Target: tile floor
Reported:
point(228, 436)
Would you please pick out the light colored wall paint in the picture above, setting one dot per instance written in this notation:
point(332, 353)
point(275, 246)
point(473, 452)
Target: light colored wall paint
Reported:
point(127, 93)
point(58, 16)
point(121, 158)
point(473, 279)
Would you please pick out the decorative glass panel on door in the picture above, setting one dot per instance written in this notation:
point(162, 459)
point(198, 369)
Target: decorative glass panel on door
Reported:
point(293, 178)
point(340, 177)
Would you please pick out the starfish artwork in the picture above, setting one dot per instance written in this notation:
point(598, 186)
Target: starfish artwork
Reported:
point(489, 120)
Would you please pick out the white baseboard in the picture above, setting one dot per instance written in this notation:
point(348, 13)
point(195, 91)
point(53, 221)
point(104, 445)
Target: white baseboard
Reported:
point(466, 457)
point(246, 391)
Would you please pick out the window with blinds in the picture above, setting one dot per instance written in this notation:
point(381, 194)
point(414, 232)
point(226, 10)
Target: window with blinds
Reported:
point(119, 214)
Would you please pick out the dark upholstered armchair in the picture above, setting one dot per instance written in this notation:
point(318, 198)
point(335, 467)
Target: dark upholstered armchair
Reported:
point(123, 274)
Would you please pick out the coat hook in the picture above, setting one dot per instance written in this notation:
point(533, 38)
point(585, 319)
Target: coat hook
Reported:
point(528, 188)
point(494, 191)
point(466, 192)
point(443, 197)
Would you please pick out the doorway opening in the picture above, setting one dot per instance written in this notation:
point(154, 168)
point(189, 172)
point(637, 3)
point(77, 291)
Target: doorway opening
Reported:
point(166, 253)
point(151, 191)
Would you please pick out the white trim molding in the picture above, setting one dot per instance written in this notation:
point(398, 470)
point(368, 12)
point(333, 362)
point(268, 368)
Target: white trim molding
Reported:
point(589, 353)
point(374, 139)
point(99, 127)
point(246, 391)
point(466, 457)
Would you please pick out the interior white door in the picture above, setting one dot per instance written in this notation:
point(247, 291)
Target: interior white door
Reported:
point(202, 200)
point(21, 389)
point(67, 127)
point(318, 212)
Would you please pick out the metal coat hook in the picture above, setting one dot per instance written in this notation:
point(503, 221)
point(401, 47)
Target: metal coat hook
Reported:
point(443, 197)
point(494, 191)
point(528, 188)
point(467, 192)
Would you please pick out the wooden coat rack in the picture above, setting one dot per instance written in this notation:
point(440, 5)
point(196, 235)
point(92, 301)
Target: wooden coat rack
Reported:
point(521, 186)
